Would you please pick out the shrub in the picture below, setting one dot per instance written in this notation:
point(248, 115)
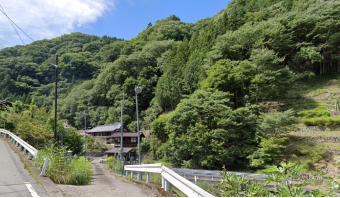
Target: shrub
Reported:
point(270, 152)
point(322, 121)
point(311, 151)
point(311, 113)
point(235, 186)
point(81, 172)
point(63, 169)
point(110, 161)
point(114, 165)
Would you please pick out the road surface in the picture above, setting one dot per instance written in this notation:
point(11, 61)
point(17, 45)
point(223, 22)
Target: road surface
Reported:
point(15, 180)
point(105, 185)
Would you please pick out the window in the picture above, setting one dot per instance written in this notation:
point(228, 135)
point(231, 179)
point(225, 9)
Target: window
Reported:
point(133, 139)
point(117, 139)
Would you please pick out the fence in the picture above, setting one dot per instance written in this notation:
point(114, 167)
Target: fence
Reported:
point(168, 176)
point(32, 152)
point(211, 175)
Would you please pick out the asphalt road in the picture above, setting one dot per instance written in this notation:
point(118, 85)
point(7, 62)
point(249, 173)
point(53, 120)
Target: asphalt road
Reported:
point(15, 180)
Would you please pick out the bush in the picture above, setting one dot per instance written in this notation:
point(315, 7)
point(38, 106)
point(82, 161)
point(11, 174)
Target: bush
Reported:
point(315, 153)
point(322, 121)
point(114, 165)
point(63, 169)
point(235, 186)
point(270, 152)
point(110, 161)
point(311, 113)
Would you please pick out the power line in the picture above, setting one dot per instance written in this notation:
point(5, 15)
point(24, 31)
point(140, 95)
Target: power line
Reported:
point(6, 42)
point(12, 22)
point(2, 10)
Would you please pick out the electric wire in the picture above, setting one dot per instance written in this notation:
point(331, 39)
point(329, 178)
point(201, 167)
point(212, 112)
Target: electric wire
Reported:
point(6, 42)
point(12, 22)
point(3, 12)
point(19, 27)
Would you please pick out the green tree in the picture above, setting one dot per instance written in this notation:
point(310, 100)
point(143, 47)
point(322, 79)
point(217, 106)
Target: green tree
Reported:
point(274, 141)
point(229, 135)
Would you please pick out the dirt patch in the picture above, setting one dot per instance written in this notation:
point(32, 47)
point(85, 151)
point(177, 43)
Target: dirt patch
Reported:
point(316, 133)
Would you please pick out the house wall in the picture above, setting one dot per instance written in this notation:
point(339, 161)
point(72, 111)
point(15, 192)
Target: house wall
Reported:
point(126, 142)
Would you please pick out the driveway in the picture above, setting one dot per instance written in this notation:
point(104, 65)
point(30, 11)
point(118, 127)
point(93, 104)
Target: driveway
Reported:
point(105, 185)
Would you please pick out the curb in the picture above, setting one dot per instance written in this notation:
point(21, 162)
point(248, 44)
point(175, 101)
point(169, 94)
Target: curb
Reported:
point(50, 187)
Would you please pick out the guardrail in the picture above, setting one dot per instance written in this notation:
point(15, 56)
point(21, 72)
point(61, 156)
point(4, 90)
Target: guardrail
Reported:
point(168, 176)
point(214, 175)
point(27, 148)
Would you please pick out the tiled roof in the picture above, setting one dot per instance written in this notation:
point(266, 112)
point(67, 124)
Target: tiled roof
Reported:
point(81, 133)
point(105, 128)
point(116, 150)
point(127, 134)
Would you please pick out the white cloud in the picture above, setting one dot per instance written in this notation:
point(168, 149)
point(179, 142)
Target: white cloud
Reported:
point(42, 19)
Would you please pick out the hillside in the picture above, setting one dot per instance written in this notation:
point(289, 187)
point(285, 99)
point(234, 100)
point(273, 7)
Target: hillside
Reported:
point(208, 87)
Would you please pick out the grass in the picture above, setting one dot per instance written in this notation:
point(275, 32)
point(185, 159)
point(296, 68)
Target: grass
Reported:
point(209, 187)
point(315, 87)
point(63, 169)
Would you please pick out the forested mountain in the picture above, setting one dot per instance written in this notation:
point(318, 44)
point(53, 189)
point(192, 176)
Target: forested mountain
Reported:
point(210, 75)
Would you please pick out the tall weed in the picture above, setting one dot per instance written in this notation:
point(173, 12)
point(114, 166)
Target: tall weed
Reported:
point(63, 169)
point(114, 165)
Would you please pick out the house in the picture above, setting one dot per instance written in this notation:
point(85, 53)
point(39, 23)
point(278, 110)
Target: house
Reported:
point(105, 132)
point(130, 141)
point(81, 132)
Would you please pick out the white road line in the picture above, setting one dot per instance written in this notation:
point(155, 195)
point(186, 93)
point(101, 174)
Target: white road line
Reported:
point(31, 189)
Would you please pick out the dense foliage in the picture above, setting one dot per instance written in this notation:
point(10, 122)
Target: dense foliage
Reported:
point(240, 186)
point(210, 74)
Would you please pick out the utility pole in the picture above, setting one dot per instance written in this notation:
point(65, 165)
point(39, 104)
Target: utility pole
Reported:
point(85, 131)
point(122, 128)
point(56, 99)
point(138, 90)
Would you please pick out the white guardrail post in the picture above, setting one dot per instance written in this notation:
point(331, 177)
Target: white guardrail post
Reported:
point(32, 152)
point(44, 166)
point(169, 176)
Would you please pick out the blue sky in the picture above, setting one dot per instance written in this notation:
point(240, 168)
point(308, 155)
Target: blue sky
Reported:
point(131, 17)
point(46, 19)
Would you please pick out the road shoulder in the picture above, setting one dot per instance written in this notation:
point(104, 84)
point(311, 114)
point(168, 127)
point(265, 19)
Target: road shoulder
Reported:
point(51, 189)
